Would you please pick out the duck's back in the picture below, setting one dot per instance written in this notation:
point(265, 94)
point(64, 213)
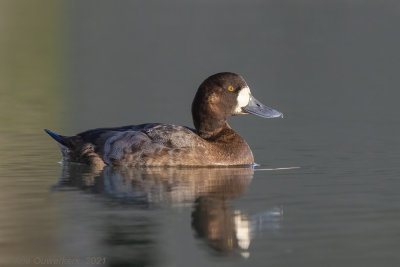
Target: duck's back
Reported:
point(152, 144)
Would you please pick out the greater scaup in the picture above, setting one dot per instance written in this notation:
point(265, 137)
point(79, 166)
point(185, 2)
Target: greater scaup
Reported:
point(212, 143)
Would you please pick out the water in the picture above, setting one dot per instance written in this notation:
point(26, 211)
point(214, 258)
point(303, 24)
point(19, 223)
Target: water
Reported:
point(331, 68)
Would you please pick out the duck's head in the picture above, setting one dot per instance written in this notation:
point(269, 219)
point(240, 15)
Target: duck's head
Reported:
point(222, 95)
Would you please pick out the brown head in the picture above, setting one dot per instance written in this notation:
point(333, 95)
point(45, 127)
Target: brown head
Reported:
point(220, 96)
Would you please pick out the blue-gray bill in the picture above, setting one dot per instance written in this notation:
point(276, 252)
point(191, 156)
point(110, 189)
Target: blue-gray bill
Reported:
point(257, 108)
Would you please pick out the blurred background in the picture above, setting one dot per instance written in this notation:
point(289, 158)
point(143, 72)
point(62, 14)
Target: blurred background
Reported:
point(330, 66)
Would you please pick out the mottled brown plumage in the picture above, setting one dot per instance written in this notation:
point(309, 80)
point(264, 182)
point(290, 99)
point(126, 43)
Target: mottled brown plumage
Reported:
point(213, 143)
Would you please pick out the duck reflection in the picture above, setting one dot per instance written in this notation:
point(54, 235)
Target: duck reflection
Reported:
point(223, 229)
point(157, 186)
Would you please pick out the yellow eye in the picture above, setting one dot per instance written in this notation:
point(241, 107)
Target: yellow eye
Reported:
point(230, 88)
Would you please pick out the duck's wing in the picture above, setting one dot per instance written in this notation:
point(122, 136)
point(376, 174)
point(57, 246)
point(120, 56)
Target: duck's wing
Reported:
point(166, 134)
point(146, 144)
point(95, 136)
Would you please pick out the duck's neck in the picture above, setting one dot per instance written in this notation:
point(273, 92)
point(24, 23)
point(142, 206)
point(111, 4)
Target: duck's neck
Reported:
point(211, 127)
point(209, 114)
point(208, 121)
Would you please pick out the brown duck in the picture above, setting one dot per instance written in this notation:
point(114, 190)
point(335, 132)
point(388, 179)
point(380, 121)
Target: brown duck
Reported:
point(212, 143)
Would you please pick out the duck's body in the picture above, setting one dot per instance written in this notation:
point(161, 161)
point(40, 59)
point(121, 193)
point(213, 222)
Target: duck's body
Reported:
point(156, 144)
point(213, 143)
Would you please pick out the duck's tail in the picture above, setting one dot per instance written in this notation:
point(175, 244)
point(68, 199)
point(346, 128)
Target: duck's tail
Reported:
point(63, 140)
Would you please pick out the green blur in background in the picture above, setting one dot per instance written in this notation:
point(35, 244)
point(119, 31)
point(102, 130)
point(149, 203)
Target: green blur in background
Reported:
point(32, 59)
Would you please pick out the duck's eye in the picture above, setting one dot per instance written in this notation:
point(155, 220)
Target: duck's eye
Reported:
point(230, 88)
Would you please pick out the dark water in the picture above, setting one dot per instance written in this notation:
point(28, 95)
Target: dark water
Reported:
point(331, 68)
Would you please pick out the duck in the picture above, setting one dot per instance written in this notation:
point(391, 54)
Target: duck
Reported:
point(212, 142)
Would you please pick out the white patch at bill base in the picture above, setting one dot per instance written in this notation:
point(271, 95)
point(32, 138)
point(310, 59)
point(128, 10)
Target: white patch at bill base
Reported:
point(242, 99)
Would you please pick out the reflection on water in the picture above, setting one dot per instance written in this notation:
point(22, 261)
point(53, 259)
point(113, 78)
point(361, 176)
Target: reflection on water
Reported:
point(230, 230)
point(225, 230)
point(158, 186)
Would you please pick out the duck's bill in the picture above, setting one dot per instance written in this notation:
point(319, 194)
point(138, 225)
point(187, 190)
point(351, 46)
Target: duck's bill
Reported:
point(257, 108)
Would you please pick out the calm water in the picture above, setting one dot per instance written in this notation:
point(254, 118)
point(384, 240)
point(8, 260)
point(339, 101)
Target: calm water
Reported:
point(331, 68)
